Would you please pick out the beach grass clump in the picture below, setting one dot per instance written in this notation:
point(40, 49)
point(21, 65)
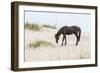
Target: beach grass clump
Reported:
point(49, 26)
point(40, 43)
point(32, 26)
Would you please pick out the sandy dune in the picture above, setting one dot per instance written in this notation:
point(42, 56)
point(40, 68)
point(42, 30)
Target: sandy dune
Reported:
point(58, 52)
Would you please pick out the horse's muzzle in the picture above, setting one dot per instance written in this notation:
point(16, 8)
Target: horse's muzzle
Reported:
point(57, 42)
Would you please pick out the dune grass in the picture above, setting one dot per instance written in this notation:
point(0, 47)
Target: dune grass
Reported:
point(36, 27)
point(32, 26)
point(49, 26)
point(40, 43)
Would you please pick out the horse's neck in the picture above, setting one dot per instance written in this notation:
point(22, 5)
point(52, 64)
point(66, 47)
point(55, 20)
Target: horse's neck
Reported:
point(58, 33)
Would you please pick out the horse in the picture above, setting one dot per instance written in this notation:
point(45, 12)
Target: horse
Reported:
point(68, 30)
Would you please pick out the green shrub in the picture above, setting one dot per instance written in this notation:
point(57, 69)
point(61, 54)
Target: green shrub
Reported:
point(33, 26)
point(49, 26)
point(40, 43)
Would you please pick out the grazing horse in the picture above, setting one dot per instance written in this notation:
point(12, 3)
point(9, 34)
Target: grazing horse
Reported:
point(68, 30)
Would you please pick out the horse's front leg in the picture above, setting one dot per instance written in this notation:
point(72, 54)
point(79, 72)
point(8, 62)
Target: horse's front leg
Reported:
point(62, 41)
point(65, 40)
point(77, 42)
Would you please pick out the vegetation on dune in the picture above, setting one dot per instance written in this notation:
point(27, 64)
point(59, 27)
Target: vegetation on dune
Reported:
point(49, 26)
point(36, 27)
point(33, 26)
point(40, 43)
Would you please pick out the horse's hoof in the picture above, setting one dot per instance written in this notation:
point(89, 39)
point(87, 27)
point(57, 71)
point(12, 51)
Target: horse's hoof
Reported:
point(61, 45)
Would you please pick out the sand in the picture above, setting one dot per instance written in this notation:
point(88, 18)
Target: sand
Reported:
point(58, 52)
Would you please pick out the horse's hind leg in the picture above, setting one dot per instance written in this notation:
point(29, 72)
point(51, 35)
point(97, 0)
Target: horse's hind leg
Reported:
point(76, 38)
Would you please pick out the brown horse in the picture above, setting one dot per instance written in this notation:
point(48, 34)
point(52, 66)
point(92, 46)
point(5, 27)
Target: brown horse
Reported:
point(68, 30)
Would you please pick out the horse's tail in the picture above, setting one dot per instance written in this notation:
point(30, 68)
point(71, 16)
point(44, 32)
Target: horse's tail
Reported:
point(79, 34)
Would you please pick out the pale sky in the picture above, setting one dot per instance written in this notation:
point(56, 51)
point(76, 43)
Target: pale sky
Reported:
point(82, 20)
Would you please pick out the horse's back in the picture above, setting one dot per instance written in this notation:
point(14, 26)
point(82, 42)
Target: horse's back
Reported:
point(75, 27)
point(69, 29)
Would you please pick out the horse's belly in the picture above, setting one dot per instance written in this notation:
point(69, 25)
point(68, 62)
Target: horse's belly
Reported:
point(69, 33)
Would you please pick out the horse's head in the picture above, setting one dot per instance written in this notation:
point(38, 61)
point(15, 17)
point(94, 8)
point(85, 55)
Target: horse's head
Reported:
point(57, 38)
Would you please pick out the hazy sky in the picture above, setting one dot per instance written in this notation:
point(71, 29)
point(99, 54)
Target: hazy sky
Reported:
point(60, 19)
